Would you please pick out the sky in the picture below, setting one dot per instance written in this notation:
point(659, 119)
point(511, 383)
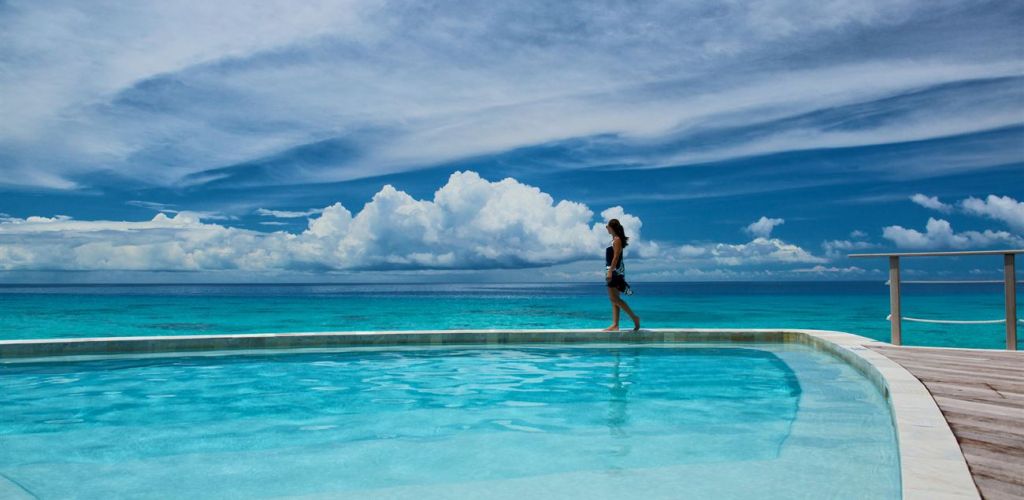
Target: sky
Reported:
point(489, 141)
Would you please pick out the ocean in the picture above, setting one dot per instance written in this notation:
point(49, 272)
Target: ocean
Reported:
point(44, 311)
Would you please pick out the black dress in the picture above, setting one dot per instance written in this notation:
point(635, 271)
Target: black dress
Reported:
point(618, 279)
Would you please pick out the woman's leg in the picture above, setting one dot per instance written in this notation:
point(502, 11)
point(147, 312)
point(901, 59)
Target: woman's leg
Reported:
point(625, 307)
point(613, 297)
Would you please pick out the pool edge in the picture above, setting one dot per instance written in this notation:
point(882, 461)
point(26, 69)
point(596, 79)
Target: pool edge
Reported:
point(932, 465)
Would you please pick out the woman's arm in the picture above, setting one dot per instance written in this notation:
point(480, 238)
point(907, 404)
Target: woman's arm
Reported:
point(617, 256)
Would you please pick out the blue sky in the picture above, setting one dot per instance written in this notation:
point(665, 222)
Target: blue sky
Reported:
point(756, 140)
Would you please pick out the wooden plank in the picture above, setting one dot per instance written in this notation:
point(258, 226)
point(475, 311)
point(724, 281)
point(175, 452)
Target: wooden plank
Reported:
point(1011, 431)
point(975, 393)
point(996, 424)
point(994, 489)
point(1011, 367)
point(989, 436)
point(976, 409)
point(1010, 364)
point(925, 373)
point(992, 465)
point(955, 389)
point(951, 389)
point(968, 366)
point(954, 355)
point(1011, 408)
point(966, 372)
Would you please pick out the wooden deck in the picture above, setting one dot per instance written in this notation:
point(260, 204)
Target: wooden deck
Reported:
point(981, 394)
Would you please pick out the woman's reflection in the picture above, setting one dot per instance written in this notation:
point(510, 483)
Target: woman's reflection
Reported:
point(618, 398)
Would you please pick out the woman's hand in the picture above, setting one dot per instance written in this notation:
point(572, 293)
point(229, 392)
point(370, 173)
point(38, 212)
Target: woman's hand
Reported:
point(608, 275)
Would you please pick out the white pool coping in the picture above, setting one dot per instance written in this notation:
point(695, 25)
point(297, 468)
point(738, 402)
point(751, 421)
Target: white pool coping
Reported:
point(932, 465)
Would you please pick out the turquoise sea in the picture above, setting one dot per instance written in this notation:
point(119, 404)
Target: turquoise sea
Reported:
point(856, 307)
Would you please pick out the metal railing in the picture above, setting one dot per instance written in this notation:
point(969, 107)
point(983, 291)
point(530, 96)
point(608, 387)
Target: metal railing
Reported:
point(896, 317)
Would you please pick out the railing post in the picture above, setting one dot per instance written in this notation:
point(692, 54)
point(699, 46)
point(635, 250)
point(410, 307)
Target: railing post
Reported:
point(895, 315)
point(1010, 285)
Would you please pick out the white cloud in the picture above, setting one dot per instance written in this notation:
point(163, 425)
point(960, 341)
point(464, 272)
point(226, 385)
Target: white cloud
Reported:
point(1001, 208)
point(761, 250)
point(763, 227)
point(931, 202)
point(287, 214)
point(470, 223)
point(165, 208)
point(839, 248)
point(152, 205)
point(823, 270)
point(94, 85)
point(858, 234)
point(939, 234)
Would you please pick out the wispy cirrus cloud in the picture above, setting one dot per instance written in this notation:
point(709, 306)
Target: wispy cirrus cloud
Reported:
point(288, 214)
point(834, 270)
point(835, 249)
point(187, 93)
point(171, 209)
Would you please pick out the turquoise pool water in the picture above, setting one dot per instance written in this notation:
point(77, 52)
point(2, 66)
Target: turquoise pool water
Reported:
point(855, 307)
point(595, 421)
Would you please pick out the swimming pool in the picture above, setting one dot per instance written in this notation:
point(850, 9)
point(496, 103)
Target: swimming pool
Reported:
point(735, 420)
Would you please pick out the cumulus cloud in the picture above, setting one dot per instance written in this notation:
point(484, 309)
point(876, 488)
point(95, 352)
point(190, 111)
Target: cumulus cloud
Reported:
point(1001, 208)
point(763, 227)
point(931, 202)
point(939, 233)
point(470, 223)
point(761, 250)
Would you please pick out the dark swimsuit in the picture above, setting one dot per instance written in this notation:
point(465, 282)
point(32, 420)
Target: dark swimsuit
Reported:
point(618, 280)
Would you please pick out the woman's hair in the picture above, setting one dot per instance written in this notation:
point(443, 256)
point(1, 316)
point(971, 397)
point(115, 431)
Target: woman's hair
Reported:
point(619, 231)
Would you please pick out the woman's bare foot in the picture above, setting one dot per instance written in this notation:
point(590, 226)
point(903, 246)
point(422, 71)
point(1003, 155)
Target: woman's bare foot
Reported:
point(613, 328)
point(636, 323)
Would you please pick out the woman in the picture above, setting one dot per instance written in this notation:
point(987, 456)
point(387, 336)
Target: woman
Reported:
point(615, 277)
